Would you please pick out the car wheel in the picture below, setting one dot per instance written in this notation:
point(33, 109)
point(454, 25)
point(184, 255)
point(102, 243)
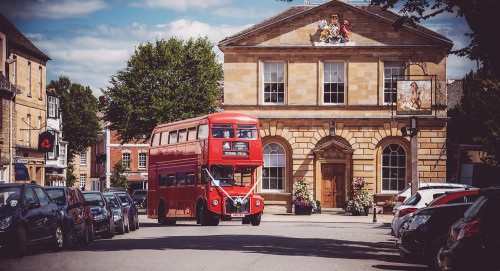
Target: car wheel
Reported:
point(255, 219)
point(121, 230)
point(132, 226)
point(71, 238)
point(127, 226)
point(161, 214)
point(58, 239)
point(111, 230)
point(435, 256)
point(22, 243)
point(85, 239)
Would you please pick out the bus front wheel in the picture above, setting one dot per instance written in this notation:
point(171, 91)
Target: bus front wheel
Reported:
point(255, 220)
point(161, 214)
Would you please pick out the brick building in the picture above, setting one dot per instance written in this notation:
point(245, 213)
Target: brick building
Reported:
point(329, 103)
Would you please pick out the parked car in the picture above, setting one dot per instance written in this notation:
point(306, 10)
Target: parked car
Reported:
point(120, 213)
point(102, 212)
point(28, 217)
point(452, 196)
point(474, 240)
point(418, 200)
point(133, 212)
point(406, 193)
point(115, 189)
point(428, 231)
point(140, 197)
point(76, 216)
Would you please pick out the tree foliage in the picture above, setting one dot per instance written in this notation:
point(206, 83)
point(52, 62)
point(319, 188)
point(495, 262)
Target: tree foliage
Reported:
point(70, 176)
point(118, 178)
point(476, 120)
point(165, 81)
point(79, 108)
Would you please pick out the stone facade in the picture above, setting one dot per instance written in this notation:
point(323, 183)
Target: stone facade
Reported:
point(331, 144)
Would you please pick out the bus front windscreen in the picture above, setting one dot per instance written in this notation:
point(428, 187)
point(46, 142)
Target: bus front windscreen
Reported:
point(227, 175)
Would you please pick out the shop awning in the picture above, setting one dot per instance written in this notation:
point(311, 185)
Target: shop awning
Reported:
point(135, 178)
point(22, 173)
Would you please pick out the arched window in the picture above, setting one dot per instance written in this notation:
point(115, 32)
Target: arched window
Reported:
point(393, 168)
point(273, 177)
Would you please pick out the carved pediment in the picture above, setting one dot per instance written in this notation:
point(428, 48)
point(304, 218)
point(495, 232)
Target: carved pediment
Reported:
point(332, 149)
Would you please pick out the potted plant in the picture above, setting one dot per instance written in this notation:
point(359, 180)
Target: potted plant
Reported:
point(303, 202)
point(362, 199)
point(389, 205)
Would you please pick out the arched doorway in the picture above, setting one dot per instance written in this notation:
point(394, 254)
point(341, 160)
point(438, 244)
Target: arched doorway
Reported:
point(333, 170)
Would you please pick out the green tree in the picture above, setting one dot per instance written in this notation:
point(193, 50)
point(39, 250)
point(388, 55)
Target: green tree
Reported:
point(118, 178)
point(79, 108)
point(165, 81)
point(70, 176)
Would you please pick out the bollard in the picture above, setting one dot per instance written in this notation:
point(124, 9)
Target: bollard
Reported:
point(374, 214)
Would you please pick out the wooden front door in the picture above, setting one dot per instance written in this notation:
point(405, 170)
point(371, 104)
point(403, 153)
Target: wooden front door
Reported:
point(333, 185)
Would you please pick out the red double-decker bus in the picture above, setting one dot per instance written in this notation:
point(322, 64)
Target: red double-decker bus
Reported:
point(205, 169)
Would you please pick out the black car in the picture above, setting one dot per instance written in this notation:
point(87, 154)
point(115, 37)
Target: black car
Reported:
point(474, 240)
point(139, 197)
point(76, 215)
point(428, 230)
point(103, 214)
point(120, 213)
point(28, 217)
point(133, 212)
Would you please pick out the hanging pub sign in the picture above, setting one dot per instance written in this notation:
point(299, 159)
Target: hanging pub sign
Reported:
point(414, 97)
point(46, 142)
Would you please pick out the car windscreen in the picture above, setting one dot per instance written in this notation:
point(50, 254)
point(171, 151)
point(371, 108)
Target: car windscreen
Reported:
point(9, 196)
point(413, 199)
point(123, 198)
point(57, 196)
point(94, 199)
point(112, 199)
point(475, 208)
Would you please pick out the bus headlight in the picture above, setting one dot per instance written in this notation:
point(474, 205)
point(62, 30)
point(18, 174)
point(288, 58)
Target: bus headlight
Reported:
point(257, 203)
point(215, 202)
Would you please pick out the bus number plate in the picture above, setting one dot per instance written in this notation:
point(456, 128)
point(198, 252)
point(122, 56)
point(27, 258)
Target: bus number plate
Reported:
point(237, 215)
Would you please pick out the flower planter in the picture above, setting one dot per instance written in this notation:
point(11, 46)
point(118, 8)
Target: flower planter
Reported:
point(303, 210)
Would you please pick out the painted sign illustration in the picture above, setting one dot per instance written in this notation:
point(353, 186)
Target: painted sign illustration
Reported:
point(414, 97)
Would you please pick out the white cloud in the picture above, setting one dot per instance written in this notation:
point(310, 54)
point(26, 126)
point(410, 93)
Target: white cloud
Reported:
point(94, 55)
point(234, 12)
point(182, 5)
point(51, 9)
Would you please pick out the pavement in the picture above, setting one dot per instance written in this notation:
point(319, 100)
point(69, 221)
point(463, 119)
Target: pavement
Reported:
point(331, 216)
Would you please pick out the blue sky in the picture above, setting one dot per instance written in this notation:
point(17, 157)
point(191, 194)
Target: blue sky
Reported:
point(89, 40)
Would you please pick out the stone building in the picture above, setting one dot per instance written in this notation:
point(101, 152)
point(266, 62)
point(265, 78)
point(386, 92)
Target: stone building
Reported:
point(24, 68)
point(330, 84)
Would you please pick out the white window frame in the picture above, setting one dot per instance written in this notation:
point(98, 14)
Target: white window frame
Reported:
point(28, 91)
point(83, 159)
point(391, 68)
point(83, 179)
point(273, 72)
point(334, 73)
point(274, 159)
point(126, 159)
point(53, 106)
point(396, 173)
point(142, 158)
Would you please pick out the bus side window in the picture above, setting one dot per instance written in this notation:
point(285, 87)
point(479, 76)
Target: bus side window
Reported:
point(191, 134)
point(182, 135)
point(190, 179)
point(164, 138)
point(181, 178)
point(172, 137)
point(203, 131)
point(162, 180)
point(171, 180)
point(156, 140)
point(204, 175)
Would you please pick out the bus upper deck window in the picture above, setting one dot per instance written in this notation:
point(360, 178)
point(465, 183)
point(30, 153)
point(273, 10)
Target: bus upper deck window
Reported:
point(247, 131)
point(222, 131)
